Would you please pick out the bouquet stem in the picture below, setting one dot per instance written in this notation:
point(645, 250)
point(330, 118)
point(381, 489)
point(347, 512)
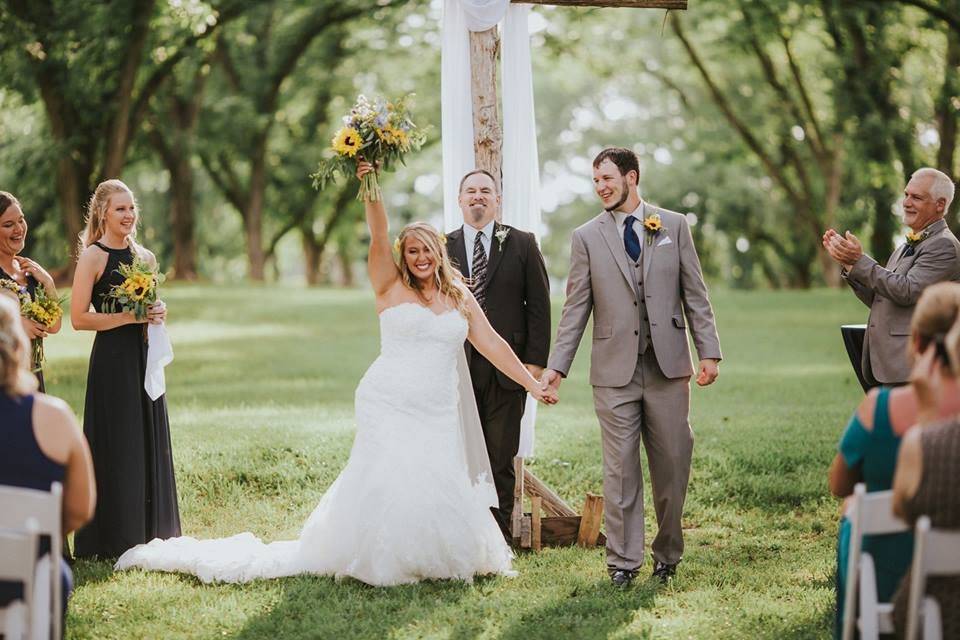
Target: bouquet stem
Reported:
point(36, 354)
point(369, 188)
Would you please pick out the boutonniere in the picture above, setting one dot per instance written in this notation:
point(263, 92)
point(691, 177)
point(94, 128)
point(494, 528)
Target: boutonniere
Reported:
point(652, 224)
point(501, 235)
point(914, 238)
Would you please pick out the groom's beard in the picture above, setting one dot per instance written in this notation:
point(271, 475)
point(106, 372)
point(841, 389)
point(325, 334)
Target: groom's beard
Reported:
point(623, 197)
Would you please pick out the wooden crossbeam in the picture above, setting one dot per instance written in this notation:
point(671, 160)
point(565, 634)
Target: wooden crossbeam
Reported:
point(632, 4)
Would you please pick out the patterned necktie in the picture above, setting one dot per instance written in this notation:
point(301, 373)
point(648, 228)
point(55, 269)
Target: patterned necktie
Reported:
point(909, 251)
point(630, 240)
point(479, 271)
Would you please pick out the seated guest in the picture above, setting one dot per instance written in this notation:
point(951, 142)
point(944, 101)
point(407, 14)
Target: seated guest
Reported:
point(869, 445)
point(42, 442)
point(929, 465)
point(931, 254)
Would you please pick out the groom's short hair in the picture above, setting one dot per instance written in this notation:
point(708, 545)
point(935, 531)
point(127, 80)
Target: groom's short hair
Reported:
point(475, 172)
point(625, 159)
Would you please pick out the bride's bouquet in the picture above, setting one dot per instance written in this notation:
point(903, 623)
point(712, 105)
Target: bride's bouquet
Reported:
point(137, 291)
point(40, 308)
point(377, 131)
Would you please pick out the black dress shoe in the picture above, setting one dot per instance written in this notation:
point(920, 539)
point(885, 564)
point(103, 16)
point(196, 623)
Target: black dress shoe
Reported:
point(664, 571)
point(622, 578)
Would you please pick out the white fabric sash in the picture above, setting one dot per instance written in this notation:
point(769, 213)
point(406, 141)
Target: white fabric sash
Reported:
point(159, 355)
point(521, 170)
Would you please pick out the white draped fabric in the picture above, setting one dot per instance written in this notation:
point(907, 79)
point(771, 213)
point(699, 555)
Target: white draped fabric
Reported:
point(521, 171)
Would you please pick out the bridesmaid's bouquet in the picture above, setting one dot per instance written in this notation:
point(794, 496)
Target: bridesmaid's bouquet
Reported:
point(137, 291)
point(377, 131)
point(40, 308)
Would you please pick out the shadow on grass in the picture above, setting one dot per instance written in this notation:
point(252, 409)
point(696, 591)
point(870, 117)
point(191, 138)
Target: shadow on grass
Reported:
point(313, 607)
point(588, 611)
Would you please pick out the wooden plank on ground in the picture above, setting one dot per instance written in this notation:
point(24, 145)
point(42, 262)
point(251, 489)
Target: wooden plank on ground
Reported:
point(553, 505)
point(517, 501)
point(590, 522)
point(535, 537)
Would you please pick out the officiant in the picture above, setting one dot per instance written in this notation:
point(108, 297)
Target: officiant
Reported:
point(506, 272)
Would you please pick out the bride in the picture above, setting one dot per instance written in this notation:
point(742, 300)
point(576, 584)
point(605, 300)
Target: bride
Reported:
point(413, 501)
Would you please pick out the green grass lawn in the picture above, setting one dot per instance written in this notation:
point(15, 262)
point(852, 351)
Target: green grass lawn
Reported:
point(261, 407)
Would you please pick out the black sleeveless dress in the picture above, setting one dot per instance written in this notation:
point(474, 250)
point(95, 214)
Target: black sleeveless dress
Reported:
point(129, 438)
point(32, 285)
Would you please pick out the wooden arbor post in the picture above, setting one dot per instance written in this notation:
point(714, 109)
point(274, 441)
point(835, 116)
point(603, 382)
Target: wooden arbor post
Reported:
point(562, 525)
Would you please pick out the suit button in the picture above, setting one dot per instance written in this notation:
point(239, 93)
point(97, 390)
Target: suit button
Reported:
point(636, 333)
point(634, 303)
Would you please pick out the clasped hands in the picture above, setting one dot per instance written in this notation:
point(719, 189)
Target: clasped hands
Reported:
point(844, 249)
point(708, 372)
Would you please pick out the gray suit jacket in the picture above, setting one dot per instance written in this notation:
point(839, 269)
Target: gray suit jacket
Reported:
point(602, 281)
point(892, 294)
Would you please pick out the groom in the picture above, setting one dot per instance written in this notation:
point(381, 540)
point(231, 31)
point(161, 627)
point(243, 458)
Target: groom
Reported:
point(635, 268)
point(507, 275)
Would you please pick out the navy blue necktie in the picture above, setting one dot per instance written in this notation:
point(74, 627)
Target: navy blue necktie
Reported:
point(630, 240)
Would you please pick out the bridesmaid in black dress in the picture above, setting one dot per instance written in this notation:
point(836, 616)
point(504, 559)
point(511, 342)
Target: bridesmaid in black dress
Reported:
point(128, 432)
point(24, 271)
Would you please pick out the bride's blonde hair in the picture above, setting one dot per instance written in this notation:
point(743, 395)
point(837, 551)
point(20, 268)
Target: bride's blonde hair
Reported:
point(449, 280)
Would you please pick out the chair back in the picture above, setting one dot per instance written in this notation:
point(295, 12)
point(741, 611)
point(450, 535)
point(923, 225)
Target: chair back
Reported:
point(936, 552)
point(869, 514)
point(18, 560)
point(45, 508)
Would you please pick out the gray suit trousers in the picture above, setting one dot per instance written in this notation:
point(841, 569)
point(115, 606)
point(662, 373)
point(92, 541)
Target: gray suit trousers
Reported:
point(654, 409)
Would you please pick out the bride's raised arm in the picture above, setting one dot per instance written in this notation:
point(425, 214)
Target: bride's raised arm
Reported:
point(381, 268)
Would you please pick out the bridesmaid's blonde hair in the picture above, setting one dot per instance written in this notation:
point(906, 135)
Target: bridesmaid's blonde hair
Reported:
point(449, 280)
point(97, 214)
point(15, 377)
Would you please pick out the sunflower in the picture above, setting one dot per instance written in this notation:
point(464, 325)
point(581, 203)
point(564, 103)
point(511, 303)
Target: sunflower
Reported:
point(347, 142)
point(652, 223)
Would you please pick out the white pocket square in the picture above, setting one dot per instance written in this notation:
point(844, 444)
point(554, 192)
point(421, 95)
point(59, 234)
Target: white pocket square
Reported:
point(666, 240)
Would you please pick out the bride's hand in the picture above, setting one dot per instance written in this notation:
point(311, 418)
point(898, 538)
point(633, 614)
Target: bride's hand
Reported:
point(363, 168)
point(548, 396)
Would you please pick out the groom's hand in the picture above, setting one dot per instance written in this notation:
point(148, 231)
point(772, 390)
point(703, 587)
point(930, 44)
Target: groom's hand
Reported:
point(709, 370)
point(550, 378)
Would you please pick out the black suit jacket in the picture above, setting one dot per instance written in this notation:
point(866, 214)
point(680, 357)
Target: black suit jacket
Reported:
point(517, 295)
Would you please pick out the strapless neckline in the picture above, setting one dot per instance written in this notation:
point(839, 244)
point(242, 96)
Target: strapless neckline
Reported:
point(425, 308)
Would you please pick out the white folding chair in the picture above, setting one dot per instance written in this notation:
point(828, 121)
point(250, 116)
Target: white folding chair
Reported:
point(17, 505)
point(18, 560)
point(869, 514)
point(936, 552)
point(932, 625)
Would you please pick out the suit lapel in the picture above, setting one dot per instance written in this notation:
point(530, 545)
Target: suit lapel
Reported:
point(493, 261)
point(615, 244)
point(458, 251)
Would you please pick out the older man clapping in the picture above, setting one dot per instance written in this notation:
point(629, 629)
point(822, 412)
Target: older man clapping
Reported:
point(930, 254)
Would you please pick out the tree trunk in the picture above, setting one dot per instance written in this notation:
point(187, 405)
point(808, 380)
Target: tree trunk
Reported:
point(311, 257)
point(182, 218)
point(253, 216)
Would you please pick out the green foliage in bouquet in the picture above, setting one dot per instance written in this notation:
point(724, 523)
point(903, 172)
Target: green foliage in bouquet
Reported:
point(137, 291)
point(377, 131)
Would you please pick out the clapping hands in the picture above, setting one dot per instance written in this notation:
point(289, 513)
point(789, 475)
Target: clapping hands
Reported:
point(845, 249)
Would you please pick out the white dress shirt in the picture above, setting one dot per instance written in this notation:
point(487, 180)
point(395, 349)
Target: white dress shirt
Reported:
point(470, 239)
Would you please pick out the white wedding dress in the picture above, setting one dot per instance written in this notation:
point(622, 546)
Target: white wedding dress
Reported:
point(405, 507)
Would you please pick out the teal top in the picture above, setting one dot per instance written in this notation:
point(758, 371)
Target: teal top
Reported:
point(875, 453)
